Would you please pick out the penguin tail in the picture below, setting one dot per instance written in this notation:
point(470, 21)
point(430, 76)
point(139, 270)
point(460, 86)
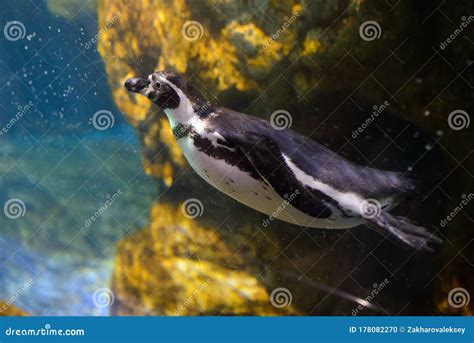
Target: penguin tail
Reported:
point(402, 230)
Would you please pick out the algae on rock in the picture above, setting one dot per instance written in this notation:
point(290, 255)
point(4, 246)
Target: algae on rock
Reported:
point(180, 268)
point(7, 309)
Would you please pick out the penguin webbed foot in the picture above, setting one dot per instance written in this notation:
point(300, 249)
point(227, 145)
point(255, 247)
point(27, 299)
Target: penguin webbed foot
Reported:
point(402, 230)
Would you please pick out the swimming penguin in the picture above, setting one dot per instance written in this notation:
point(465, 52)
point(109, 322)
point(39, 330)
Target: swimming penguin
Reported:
point(279, 171)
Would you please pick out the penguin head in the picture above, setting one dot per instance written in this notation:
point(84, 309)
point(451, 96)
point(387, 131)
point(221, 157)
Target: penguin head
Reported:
point(157, 88)
point(173, 93)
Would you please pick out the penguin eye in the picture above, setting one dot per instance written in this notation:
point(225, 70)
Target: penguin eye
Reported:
point(159, 86)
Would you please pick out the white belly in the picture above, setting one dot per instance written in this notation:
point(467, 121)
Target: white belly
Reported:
point(254, 193)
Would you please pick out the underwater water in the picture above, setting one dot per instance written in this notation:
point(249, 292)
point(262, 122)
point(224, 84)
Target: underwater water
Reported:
point(62, 169)
point(94, 188)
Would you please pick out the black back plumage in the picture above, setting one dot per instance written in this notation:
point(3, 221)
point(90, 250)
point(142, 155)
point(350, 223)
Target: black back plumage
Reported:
point(313, 158)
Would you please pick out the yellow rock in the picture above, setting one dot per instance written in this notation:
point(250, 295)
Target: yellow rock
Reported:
point(7, 309)
point(178, 267)
point(452, 296)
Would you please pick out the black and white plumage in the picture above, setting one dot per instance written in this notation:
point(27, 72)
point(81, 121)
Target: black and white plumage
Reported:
point(267, 169)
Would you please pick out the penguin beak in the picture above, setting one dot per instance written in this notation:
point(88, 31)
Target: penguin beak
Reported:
point(136, 84)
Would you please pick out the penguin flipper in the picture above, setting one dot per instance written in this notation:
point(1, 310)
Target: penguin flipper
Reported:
point(265, 156)
point(402, 230)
